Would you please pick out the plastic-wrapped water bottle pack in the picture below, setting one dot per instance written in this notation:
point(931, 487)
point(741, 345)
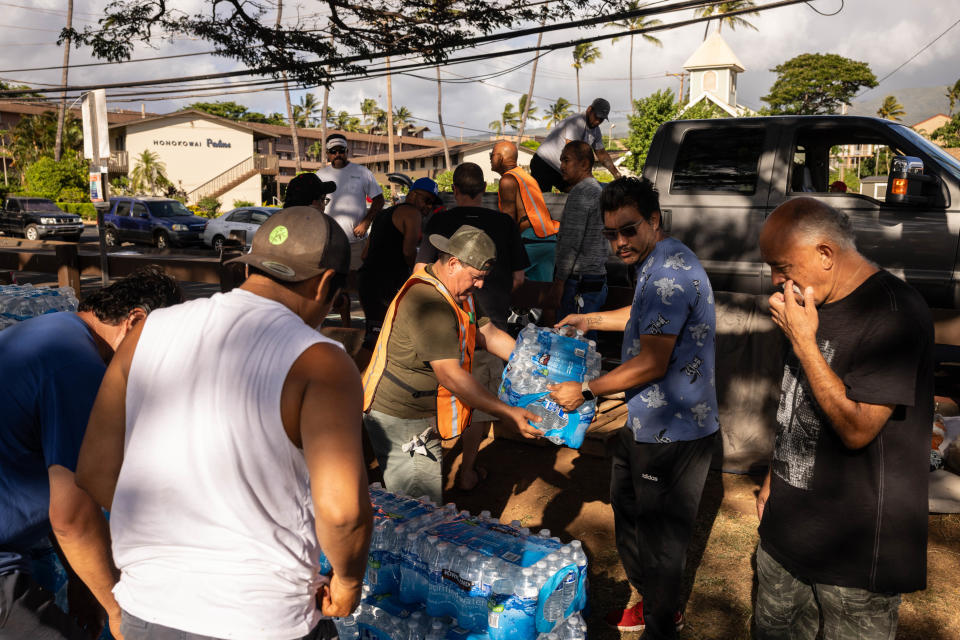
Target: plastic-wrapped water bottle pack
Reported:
point(544, 356)
point(22, 302)
point(467, 576)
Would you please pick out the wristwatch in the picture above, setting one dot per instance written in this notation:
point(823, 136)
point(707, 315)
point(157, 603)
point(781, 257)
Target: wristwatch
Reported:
point(585, 391)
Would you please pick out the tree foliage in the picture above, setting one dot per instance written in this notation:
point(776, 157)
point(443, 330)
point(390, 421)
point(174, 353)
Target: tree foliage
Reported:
point(953, 95)
point(149, 174)
point(34, 136)
point(720, 10)
point(238, 112)
point(648, 114)
point(817, 83)
point(557, 111)
point(949, 134)
point(312, 45)
point(891, 109)
point(47, 178)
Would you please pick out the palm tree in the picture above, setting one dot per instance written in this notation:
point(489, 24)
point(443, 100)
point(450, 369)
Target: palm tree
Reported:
point(634, 24)
point(496, 126)
point(286, 98)
point(726, 7)
point(533, 79)
point(345, 122)
point(558, 111)
point(148, 174)
point(306, 113)
point(402, 117)
point(509, 118)
point(953, 95)
point(531, 110)
point(891, 109)
point(583, 54)
point(371, 113)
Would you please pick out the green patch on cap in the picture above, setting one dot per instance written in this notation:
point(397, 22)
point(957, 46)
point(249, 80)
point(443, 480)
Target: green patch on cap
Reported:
point(279, 235)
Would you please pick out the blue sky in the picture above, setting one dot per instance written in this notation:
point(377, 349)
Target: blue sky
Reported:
point(883, 33)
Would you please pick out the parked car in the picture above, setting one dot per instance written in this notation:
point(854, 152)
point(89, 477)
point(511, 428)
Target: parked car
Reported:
point(719, 180)
point(243, 219)
point(36, 218)
point(162, 222)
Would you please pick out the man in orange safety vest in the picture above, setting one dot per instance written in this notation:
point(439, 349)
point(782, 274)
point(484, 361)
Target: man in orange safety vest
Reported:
point(418, 387)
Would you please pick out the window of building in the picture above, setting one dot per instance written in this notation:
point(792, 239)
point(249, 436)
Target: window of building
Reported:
point(725, 159)
point(710, 81)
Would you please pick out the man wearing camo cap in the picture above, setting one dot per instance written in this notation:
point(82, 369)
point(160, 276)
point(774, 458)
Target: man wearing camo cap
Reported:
point(418, 387)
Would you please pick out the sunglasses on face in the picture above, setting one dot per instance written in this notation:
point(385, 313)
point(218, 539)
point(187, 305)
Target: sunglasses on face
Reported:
point(339, 151)
point(627, 231)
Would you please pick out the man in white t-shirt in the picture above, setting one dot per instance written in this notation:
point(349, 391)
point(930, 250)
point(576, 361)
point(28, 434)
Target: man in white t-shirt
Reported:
point(348, 204)
point(545, 166)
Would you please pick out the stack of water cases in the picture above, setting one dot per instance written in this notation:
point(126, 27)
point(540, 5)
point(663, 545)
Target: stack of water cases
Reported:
point(22, 302)
point(435, 572)
point(543, 356)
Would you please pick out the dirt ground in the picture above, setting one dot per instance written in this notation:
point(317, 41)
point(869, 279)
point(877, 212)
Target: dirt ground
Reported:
point(557, 488)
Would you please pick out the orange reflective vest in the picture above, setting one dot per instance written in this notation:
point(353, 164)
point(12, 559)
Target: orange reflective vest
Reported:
point(536, 209)
point(453, 416)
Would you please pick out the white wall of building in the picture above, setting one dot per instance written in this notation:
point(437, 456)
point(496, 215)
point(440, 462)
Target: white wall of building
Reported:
point(195, 150)
point(482, 158)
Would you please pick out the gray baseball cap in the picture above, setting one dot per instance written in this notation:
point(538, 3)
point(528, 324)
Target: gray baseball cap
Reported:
point(469, 245)
point(298, 243)
point(601, 108)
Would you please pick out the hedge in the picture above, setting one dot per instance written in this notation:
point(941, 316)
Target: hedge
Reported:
point(85, 210)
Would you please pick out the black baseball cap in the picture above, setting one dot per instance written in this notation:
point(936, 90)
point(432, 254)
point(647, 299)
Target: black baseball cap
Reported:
point(298, 243)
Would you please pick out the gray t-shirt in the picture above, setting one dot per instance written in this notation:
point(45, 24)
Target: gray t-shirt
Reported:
point(572, 128)
point(581, 249)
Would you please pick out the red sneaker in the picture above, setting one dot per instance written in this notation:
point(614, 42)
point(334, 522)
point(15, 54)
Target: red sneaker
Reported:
point(631, 619)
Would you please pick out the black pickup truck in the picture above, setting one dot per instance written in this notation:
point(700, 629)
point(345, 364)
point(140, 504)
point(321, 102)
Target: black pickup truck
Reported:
point(38, 218)
point(720, 179)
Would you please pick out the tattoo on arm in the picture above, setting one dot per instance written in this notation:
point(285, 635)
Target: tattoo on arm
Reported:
point(594, 321)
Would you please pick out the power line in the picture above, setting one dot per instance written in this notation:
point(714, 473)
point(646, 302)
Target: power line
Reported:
point(910, 59)
point(99, 64)
point(466, 43)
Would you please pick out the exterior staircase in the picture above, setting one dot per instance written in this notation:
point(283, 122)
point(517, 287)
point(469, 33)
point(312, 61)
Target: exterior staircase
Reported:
point(265, 165)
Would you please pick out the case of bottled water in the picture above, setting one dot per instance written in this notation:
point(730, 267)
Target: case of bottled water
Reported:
point(22, 302)
point(542, 356)
point(474, 577)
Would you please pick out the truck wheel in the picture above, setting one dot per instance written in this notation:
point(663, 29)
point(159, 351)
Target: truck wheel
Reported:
point(218, 242)
point(110, 238)
point(162, 240)
point(31, 232)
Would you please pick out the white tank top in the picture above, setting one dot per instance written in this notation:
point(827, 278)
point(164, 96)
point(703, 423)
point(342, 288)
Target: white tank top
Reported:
point(212, 520)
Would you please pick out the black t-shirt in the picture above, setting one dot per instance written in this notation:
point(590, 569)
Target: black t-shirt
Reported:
point(494, 296)
point(858, 518)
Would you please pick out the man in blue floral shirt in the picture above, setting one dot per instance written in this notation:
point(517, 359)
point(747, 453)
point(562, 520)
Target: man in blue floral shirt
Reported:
point(661, 457)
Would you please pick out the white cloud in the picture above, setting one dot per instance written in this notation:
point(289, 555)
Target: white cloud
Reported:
point(878, 32)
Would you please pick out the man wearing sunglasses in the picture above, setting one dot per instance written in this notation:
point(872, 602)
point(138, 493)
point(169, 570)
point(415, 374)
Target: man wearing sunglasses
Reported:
point(355, 184)
point(662, 455)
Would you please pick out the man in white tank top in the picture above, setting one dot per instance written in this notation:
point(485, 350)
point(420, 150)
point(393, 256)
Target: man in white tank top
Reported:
point(226, 442)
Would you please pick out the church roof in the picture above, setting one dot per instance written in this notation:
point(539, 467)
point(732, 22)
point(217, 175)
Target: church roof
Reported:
point(714, 53)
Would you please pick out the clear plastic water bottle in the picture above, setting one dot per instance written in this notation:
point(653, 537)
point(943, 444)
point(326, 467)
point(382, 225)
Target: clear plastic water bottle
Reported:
point(347, 628)
point(437, 631)
point(437, 594)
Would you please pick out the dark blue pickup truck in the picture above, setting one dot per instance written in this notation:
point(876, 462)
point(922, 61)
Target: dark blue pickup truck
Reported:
point(162, 222)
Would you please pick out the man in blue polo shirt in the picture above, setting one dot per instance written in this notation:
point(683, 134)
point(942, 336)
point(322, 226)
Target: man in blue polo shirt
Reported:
point(50, 373)
point(662, 455)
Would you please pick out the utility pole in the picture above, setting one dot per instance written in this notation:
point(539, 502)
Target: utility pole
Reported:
point(326, 102)
point(443, 135)
point(390, 153)
point(533, 77)
point(680, 75)
point(286, 96)
point(62, 109)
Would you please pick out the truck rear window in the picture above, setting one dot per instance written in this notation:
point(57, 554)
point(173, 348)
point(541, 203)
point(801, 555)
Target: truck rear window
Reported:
point(719, 160)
